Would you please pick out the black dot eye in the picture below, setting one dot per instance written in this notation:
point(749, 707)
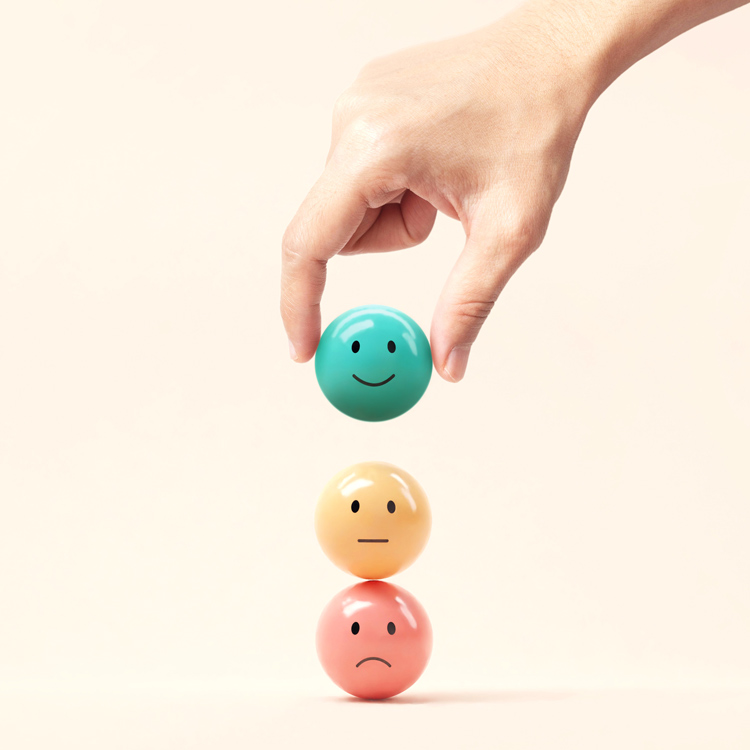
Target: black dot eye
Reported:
point(355, 628)
point(355, 346)
point(355, 506)
point(391, 628)
point(391, 506)
point(391, 346)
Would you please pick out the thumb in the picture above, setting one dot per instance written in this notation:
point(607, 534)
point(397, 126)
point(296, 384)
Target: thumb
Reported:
point(498, 240)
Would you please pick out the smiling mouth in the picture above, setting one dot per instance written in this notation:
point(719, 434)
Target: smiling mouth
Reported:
point(373, 541)
point(374, 658)
point(374, 385)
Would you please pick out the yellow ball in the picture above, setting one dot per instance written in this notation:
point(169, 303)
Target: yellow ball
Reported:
point(373, 519)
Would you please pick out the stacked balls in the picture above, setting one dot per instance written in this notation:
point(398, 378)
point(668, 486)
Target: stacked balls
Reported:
point(373, 519)
point(374, 639)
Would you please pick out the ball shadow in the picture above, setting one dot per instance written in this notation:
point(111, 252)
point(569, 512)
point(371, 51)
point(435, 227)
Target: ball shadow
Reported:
point(457, 696)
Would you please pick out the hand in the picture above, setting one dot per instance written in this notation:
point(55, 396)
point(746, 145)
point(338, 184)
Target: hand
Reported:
point(481, 127)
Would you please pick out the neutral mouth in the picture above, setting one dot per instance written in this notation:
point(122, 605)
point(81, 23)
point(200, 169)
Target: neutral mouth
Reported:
point(374, 385)
point(373, 541)
point(374, 658)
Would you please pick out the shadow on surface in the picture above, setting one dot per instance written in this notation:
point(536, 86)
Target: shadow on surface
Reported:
point(457, 696)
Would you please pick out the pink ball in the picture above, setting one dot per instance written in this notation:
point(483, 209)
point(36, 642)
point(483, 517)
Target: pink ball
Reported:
point(374, 639)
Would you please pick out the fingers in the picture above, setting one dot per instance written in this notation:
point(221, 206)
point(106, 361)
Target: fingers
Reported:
point(338, 216)
point(496, 245)
point(323, 225)
point(394, 226)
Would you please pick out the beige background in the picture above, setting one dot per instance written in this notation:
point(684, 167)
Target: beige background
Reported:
point(160, 456)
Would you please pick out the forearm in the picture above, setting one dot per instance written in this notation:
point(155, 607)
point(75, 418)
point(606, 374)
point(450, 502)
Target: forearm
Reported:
point(601, 39)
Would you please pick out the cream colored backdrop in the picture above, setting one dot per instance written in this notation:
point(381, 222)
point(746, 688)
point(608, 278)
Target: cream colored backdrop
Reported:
point(160, 456)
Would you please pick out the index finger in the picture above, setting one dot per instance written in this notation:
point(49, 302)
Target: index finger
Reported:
point(323, 224)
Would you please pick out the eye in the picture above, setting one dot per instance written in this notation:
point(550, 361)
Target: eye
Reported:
point(391, 628)
point(355, 627)
point(355, 346)
point(391, 346)
point(355, 506)
point(391, 506)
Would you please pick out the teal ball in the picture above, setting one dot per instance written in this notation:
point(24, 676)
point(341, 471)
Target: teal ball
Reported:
point(373, 363)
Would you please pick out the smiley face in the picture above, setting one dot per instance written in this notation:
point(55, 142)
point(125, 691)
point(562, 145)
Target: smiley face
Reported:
point(373, 519)
point(373, 363)
point(374, 639)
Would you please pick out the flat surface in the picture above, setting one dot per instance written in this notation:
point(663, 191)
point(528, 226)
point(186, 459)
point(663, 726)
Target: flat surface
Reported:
point(161, 456)
point(523, 720)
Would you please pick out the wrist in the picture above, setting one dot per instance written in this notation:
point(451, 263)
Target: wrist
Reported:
point(587, 43)
point(600, 39)
point(565, 55)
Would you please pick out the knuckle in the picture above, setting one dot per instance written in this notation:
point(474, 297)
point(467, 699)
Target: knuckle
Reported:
point(417, 233)
point(523, 233)
point(290, 247)
point(473, 311)
point(375, 135)
point(371, 151)
point(379, 187)
point(414, 237)
point(369, 127)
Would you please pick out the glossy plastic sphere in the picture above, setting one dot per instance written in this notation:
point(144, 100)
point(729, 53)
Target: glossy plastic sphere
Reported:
point(374, 639)
point(373, 519)
point(373, 363)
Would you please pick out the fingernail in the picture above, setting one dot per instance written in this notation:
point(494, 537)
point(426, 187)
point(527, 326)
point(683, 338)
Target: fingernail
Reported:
point(455, 365)
point(292, 351)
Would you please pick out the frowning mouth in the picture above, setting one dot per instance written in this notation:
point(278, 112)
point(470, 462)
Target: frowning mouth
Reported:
point(374, 658)
point(373, 541)
point(374, 385)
